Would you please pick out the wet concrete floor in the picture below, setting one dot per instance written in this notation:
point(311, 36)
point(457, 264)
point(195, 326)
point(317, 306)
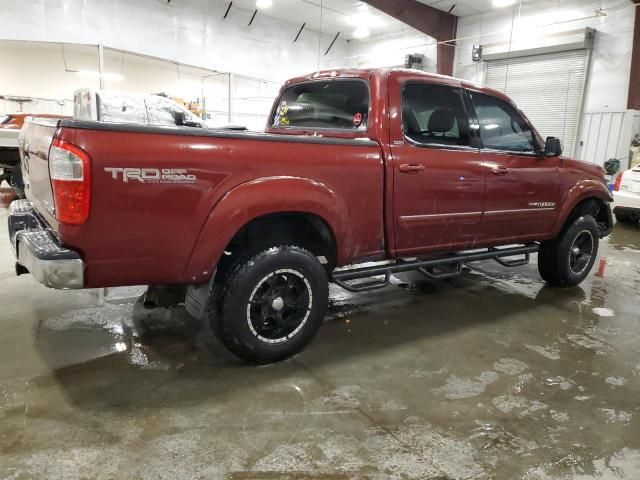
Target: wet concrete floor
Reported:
point(490, 375)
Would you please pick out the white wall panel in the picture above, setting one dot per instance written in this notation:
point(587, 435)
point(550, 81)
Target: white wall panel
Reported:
point(191, 32)
point(389, 50)
point(41, 70)
point(606, 135)
point(537, 22)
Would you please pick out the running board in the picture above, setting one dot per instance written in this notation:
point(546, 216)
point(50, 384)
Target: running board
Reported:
point(428, 267)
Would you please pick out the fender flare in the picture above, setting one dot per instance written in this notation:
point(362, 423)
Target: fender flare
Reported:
point(260, 197)
point(581, 191)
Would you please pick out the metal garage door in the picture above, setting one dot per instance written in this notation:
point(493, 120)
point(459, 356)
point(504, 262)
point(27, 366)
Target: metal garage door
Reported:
point(548, 88)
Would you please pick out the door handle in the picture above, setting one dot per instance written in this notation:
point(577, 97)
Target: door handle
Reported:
point(499, 170)
point(411, 168)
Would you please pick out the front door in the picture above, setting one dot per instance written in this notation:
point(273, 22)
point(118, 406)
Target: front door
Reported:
point(522, 186)
point(439, 179)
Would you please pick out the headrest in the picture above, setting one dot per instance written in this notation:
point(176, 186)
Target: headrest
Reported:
point(411, 124)
point(442, 120)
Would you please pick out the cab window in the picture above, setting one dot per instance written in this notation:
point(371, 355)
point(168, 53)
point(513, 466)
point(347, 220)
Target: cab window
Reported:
point(501, 125)
point(332, 104)
point(434, 115)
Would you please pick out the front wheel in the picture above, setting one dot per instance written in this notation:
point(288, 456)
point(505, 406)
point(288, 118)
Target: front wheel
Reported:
point(270, 305)
point(567, 260)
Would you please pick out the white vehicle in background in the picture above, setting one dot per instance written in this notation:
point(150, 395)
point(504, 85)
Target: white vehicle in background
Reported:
point(626, 195)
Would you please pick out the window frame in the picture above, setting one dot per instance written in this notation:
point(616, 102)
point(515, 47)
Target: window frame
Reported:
point(358, 130)
point(473, 144)
point(536, 147)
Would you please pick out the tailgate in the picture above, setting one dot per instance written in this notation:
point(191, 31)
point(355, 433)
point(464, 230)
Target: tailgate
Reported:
point(35, 141)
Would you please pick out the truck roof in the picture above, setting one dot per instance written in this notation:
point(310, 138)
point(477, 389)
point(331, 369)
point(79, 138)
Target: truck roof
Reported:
point(367, 73)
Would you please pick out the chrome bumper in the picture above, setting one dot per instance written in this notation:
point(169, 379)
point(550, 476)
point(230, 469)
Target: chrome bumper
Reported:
point(38, 252)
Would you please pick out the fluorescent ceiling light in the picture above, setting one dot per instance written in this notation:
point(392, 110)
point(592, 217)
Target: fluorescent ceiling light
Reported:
point(116, 77)
point(264, 3)
point(503, 3)
point(361, 32)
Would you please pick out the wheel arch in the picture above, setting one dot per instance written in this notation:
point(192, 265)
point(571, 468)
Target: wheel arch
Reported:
point(269, 199)
point(590, 197)
point(305, 229)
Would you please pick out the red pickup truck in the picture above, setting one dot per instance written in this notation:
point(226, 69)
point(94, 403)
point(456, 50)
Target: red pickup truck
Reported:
point(400, 169)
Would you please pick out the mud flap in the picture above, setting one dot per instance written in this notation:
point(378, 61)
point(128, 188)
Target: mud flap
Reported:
point(197, 298)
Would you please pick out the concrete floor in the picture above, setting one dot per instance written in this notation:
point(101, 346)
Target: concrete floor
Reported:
point(490, 375)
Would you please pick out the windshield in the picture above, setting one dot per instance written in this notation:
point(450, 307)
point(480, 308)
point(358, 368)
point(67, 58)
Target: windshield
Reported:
point(334, 104)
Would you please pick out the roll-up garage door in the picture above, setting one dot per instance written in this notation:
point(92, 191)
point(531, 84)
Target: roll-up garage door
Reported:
point(548, 88)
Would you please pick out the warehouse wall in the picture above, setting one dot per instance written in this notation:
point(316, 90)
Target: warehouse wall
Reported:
point(389, 50)
point(48, 74)
point(178, 31)
point(542, 22)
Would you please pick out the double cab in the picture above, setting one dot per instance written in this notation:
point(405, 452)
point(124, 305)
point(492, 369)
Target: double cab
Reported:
point(398, 169)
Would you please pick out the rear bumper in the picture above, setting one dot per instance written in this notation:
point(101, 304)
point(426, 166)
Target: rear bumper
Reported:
point(38, 252)
point(626, 211)
point(626, 200)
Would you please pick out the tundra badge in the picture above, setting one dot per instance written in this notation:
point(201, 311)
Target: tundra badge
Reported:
point(542, 204)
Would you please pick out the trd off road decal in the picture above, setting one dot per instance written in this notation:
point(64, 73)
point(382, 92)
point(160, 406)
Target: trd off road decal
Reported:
point(151, 175)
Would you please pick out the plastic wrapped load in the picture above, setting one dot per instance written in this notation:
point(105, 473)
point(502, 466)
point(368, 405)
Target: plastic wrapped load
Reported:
point(125, 107)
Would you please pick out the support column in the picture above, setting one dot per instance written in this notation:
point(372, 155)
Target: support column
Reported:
point(634, 83)
point(101, 65)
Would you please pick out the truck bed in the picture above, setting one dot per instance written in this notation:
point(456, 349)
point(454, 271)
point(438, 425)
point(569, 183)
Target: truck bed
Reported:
point(153, 190)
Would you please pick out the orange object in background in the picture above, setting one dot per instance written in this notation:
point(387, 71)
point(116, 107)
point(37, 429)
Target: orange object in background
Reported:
point(15, 121)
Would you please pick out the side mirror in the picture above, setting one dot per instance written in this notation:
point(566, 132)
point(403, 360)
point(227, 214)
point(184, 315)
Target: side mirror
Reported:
point(552, 147)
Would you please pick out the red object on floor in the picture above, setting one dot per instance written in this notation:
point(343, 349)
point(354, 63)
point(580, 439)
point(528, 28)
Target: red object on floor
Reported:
point(7, 195)
point(601, 266)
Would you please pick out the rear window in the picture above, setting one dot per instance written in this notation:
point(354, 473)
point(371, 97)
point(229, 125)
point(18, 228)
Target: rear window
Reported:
point(334, 104)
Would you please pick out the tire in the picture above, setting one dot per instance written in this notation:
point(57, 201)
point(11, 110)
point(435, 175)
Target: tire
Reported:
point(567, 260)
point(268, 306)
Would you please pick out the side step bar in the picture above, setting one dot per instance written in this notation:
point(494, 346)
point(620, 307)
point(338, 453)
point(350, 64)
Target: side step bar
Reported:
point(453, 262)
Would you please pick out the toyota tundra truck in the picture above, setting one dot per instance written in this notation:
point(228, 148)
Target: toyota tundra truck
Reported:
point(359, 174)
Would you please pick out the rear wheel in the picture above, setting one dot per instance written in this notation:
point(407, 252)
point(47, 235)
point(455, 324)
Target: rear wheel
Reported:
point(268, 306)
point(567, 260)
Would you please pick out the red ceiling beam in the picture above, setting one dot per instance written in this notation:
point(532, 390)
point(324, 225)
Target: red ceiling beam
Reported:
point(634, 83)
point(433, 22)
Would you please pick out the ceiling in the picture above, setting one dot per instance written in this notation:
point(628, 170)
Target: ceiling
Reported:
point(336, 15)
point(463, 8)
point(333, 16)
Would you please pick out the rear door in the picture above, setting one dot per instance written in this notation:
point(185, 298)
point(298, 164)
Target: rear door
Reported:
point(522, 186)
point(438, 177)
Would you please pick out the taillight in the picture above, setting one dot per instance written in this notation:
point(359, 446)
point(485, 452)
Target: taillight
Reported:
point(71, 182)
point(616, 184)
